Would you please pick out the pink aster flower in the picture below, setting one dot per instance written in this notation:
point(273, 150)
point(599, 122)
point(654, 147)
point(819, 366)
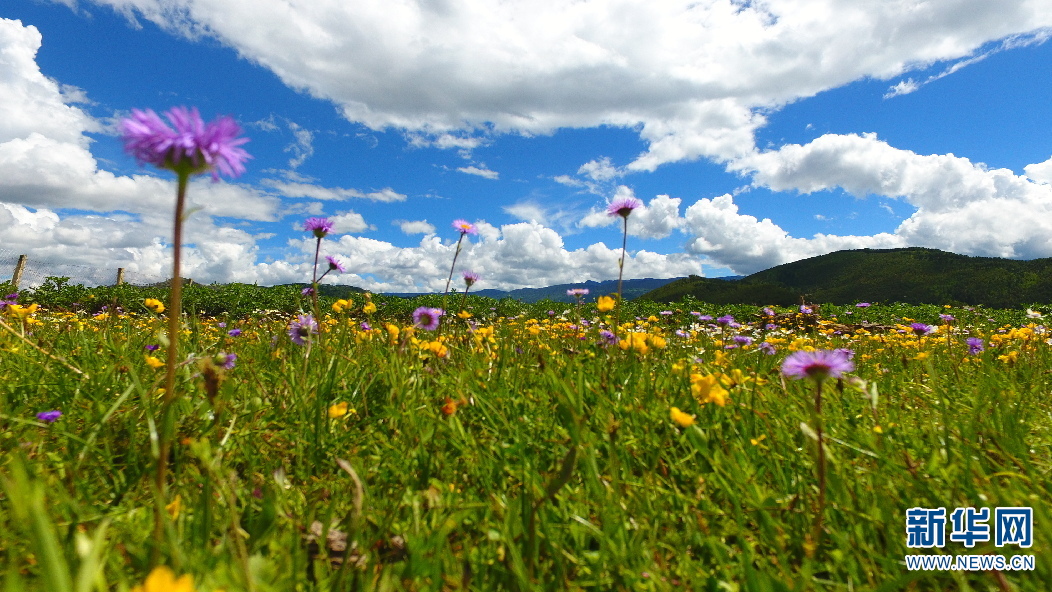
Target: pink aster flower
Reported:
point(577, 292)
point(334, 264)
point(319, 226)
point(427, 318)
point(818, 365)
point(465, 227)
point(623, 206)
point(302, 328)
point(49, 416)
point(470, 277)
point(192, 144)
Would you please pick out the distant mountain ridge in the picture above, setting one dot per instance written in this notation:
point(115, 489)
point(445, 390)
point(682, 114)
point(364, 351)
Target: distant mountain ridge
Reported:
point(632, 289)
point(911, 275)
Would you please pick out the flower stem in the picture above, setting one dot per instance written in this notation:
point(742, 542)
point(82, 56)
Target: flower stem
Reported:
point(314, 287)
point(817, 531)
point(451, 268)
point(621, 271)
point(175, 317)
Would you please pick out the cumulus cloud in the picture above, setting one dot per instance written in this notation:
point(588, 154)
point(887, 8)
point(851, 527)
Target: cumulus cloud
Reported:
point(350, 223)
point(599, 170)
point(961, 206)
point(415, 226)
point(690, 76)
point(1040, 172)
point(525, 254)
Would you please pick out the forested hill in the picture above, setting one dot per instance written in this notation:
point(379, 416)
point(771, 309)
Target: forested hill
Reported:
point(912, 275)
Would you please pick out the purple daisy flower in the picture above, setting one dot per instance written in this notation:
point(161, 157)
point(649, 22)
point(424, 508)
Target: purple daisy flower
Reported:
point(804, 309)
point(975, 345)
point(577, 292)
point(817, 365)
point(608, 338)
point(921, 329)
point(307, 291)
point(623, 206)
point(234, 332)
point(213, 146)
point(946, 318)
point(319, 226)
point(427, 318)
point(767, 348)
point(302, 328)
point(465, 227)
point(768, 311)
point(49, 416)
point(742, 340)
point(334, 264)
point(153, 347)
point(725, 320)
point(227, 361)
point(863, 305)
point(470, 277)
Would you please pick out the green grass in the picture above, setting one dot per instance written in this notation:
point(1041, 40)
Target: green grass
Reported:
point(560, 468)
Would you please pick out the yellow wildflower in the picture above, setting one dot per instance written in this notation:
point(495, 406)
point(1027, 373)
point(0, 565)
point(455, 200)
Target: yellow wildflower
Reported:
point(154, 363)
point(154, 304)
point(161, 579)
point(464, 314)
point(605, 304)
point(175, 507)
point(22, 311)
point(681, 419)
point(341, 305)
point(338, 410)
point(369, 308)
point(635, 341)
point(657, 341)
point(707, 389)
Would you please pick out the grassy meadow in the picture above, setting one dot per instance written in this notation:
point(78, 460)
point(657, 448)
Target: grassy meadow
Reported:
point(517, 447)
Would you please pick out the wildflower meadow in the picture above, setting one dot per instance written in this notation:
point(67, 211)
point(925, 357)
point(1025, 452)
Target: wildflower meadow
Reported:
point(239, 438)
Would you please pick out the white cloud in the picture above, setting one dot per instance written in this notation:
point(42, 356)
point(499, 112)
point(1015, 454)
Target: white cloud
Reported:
point(525, 254)
point(568, 181)
point(312, 191)
point(480, 171)
point(527, 211)
point(747, 245)
point(599, 170)
point(415, 226)
point(349, 223)
point(689, 75)
point(302, 148)
point(1040, 172)
point(961, 206)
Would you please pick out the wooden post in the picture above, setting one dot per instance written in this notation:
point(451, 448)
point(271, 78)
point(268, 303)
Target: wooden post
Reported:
point(19, 268)
point(120, 275)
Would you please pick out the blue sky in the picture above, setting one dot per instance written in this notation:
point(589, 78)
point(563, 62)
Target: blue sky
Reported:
point(755, 133)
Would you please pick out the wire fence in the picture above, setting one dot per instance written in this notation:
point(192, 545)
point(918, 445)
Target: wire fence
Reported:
point(31, 272)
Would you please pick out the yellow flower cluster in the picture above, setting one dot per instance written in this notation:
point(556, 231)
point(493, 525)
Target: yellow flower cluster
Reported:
point(707, 388)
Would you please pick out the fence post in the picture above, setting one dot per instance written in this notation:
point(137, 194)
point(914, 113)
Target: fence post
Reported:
point(16, 278)
point(120, 275)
